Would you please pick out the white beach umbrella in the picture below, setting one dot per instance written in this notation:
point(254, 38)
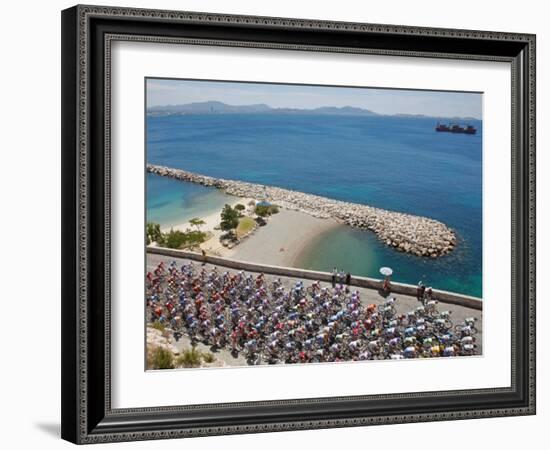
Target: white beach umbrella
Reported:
point(386, 271)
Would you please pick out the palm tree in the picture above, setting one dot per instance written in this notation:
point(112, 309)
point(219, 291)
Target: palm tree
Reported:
point(197, 222)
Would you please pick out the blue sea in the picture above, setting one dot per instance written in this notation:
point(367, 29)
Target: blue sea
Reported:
point(396, 163)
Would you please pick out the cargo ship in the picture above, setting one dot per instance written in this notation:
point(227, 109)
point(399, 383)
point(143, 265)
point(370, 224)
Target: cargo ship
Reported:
point(454, 128)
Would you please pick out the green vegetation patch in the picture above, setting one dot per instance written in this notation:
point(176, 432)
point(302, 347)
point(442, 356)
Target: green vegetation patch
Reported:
point(160, 358)
point(189, 358)
point(175, 238)
point(180, 239)
point(208, 357)
point(154, 234)
point(266, 210)
point(246, 225)
point(192, 357)
point(158, 325)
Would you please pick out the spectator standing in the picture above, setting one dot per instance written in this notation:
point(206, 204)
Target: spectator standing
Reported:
point(420, 290)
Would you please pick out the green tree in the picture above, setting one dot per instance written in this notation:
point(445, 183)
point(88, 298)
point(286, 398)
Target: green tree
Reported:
point(178, 239)
point(261, 210)
point(154, 234)
point(195, 237)
point(239, 208)
point(266, 210)
point(175, 239)
point(197, 222)
point(229, 218)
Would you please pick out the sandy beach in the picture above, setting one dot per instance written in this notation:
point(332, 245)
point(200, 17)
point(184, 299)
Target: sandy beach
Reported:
point(282, 240)
point(212, 221)
point(279, 242)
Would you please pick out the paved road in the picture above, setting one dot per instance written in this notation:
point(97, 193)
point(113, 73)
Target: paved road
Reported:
point(403, 305)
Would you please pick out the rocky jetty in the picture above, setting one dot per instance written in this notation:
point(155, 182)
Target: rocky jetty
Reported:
point(407, 233)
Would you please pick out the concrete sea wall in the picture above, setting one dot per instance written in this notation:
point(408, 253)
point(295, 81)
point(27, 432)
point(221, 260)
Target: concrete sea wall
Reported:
point(420, 236)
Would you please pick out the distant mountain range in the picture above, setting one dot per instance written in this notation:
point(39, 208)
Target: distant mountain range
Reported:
point(214, 107)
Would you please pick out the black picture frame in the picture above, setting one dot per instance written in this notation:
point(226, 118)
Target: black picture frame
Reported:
point(87, 32)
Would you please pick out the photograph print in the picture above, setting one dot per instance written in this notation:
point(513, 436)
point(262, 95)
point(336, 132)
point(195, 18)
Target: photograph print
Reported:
point(303, 224)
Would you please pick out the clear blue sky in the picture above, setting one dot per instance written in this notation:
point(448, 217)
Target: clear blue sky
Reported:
point(382, 101)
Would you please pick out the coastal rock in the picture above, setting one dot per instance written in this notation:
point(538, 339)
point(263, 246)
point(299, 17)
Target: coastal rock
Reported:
point(156, 338)
point(416, 235)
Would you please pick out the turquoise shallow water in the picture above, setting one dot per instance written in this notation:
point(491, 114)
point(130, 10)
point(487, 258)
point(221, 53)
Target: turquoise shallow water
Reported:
point(363, 254)
point(171, 202)
point(395, 163)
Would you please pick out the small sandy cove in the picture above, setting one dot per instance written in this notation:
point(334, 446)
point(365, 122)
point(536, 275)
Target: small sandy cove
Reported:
point(212, 221)
point(279, 243)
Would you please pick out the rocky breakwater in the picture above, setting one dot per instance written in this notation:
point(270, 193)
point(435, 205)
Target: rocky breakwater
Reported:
point(420, 236)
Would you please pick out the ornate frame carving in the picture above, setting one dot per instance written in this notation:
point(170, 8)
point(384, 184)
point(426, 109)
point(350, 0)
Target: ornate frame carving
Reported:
point(88, 32)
